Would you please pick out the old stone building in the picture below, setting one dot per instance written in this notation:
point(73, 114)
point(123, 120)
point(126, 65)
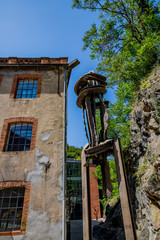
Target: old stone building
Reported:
point(32, 147)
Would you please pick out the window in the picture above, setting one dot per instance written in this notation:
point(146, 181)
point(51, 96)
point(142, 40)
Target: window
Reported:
point(14, 207)
point(18, 134)
point(74, 189)
point(19, 137)
point(27, 88)
point(11, 207)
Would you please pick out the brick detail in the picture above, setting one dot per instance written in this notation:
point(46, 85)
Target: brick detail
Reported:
point(11, 184)
point(5, 130)
point(18, 77)
point(30, 61)
point(94, 193)
point(1, 76)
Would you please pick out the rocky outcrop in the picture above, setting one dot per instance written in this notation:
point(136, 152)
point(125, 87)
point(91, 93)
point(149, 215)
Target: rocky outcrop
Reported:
point(142, 161)
point(144, 164)
point(112, 229)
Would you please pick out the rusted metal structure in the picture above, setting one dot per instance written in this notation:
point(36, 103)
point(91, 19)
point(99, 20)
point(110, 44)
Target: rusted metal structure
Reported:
point(90, 89)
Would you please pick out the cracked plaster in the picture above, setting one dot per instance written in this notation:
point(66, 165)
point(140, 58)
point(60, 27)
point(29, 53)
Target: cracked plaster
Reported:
point(41, 161)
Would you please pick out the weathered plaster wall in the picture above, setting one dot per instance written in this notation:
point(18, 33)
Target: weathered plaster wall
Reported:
point(43, 165)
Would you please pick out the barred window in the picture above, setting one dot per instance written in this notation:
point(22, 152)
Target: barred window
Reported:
point(19, 137)
point(27, 88)
point(11, 207)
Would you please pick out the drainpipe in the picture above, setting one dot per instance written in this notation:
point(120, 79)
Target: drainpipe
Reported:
point(66, 74)
point(64, 161)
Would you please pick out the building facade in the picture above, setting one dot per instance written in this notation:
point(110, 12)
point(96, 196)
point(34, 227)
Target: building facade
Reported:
point(32, 147)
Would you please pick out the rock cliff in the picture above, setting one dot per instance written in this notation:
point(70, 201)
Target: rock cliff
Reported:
point(142, 161)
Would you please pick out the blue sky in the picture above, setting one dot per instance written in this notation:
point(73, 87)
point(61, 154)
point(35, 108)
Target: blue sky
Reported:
point(50, 28)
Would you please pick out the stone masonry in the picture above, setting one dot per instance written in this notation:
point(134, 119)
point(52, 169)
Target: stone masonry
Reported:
point(144, 167)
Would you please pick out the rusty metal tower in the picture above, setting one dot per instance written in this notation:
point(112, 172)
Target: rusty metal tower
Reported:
point(90, 89)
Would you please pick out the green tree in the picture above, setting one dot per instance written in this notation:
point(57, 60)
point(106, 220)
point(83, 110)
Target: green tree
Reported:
point(119, 113)
point(127, 39)
point(73, 152)
point(126, 43)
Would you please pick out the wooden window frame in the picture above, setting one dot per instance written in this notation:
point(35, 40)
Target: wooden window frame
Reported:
point(27, 186)
point(18, 77)
point(5, 130)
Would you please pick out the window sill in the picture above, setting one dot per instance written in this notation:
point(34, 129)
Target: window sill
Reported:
point(28, 99)
point(17, 152)
point(12, 233)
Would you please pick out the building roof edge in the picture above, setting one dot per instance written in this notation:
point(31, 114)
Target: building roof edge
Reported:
point(15, 61)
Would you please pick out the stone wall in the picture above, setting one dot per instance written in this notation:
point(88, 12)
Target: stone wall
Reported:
point(42, 166)
point(144, 160)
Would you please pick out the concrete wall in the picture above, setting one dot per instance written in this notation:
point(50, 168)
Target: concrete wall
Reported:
point(43, 165)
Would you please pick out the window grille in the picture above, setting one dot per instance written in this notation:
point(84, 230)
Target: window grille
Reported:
point(27, 88)
point(11, 207)
point(74, 189)
point(19, 137)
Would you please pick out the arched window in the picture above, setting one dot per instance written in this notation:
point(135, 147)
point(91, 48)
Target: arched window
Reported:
point(19, 137)
point(18, 134)
point(26, 86)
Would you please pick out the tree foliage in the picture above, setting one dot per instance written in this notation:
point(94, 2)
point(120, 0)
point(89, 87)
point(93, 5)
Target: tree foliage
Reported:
point(119, 113)
point(126, 41)
point(73, 152)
